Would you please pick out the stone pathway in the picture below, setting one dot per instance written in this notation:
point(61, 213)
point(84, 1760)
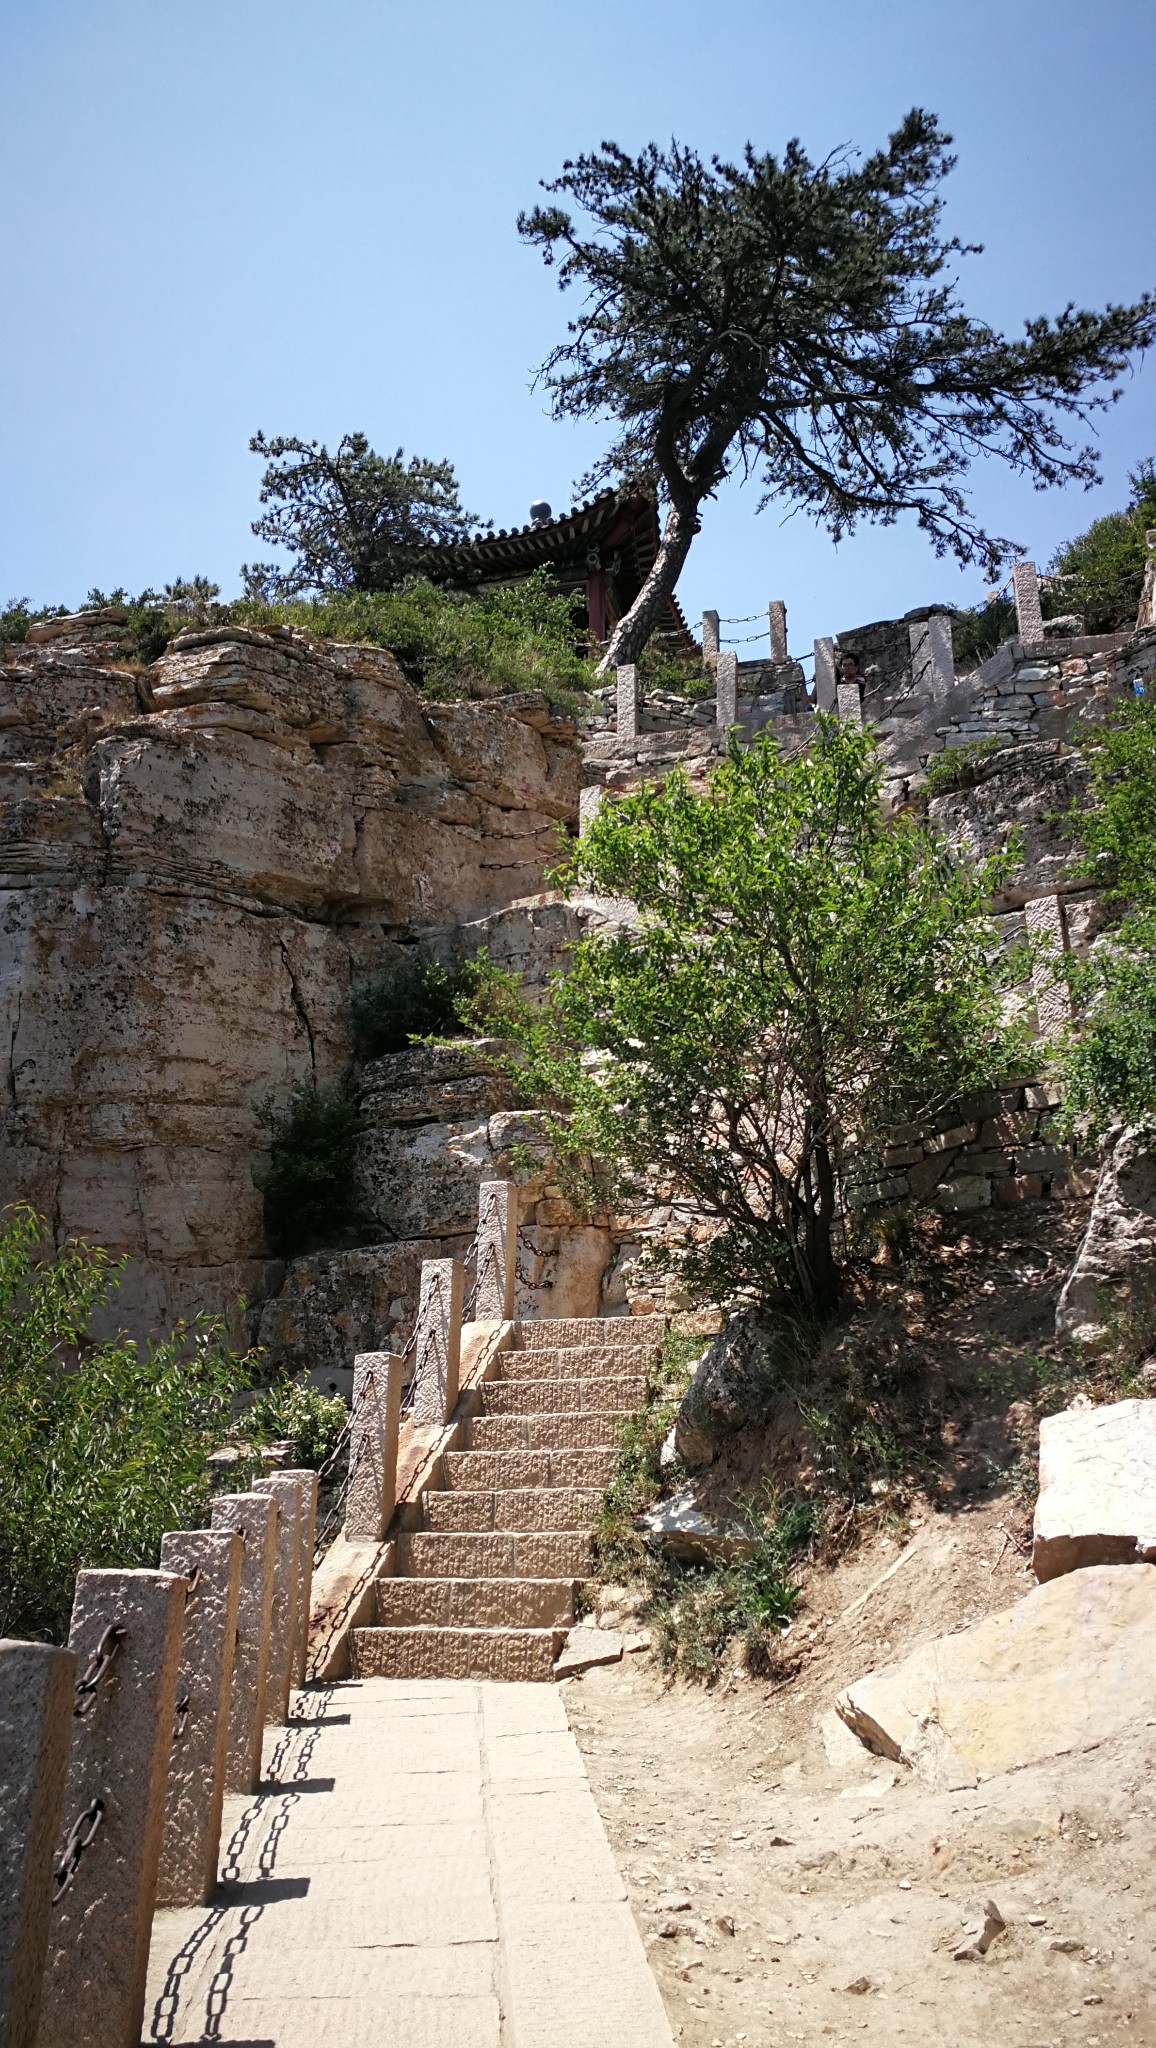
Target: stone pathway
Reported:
point(423, 1865)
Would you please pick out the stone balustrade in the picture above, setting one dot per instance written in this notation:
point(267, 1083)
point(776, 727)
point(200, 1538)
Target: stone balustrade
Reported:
point(116, 1753)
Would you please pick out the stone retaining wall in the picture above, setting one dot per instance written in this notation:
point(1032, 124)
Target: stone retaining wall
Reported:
point(995, 1149)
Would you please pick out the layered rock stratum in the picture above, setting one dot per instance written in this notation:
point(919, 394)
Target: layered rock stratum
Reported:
point(200, 860)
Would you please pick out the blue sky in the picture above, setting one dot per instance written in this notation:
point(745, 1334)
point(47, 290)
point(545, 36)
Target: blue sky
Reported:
point(300, 217)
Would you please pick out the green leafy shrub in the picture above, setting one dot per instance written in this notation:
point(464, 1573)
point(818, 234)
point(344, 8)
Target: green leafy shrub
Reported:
point(957, 767)
point(293, 1411)
point(103, 1445)
point(307, 1183)
point(799, 974)
point(978, 632)
point(1108, 1063)
point(413, 999)
point(1106, 563)
point(703, 1608)
point(639, 1480)
point(452, 643)
point(1117, 829)
point(1108, 1066)
point(18, 614)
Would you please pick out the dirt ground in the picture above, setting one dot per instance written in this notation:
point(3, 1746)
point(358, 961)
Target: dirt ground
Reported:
point(792, 1887)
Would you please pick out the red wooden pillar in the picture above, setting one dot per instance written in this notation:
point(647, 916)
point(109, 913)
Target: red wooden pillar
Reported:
point(596, 602)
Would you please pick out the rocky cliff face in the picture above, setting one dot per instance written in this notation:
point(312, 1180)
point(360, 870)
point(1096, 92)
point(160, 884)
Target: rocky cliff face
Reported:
point(200, 859)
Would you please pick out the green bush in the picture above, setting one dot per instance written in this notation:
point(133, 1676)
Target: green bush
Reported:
point(412, 999)
point(639, 1479)
point(307, 1183)
point(705, 1607)
point(293, 1411)
point(1108, 1064)
point(977, 633)
point(956, 767)
point(1106, 563)
point(18, 614)
point(452, 643)
point(1108, 1067)
point(103, 1445)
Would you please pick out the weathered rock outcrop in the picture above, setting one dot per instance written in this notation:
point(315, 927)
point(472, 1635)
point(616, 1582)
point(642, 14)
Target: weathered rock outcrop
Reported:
point(1115, 1267)
point(199, 861)
point(728, 1390)
point(1097, 1500)
point(1072, 1663)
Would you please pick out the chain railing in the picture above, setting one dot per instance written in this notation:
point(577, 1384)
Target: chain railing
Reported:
point(82, 1834)
point(96, 1670)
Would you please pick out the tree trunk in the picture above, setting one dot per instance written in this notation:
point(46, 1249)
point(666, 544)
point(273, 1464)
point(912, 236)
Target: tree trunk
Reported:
point(824, 1272)
point(634, 629)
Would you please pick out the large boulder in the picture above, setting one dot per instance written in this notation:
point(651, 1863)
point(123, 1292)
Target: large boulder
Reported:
point(1071, 1664)
point(728, 1392)
point(1097, 1501)
point(1115, 1266)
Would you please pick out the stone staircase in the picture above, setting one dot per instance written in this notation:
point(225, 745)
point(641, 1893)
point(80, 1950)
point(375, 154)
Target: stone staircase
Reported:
point(485, 1588)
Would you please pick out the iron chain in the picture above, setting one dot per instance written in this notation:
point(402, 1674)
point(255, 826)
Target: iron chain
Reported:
point(84, 1829)
point(97, 1669)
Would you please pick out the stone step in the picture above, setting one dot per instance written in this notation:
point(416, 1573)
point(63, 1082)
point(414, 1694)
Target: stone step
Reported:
point(475, 1603)
point(585, 1362)
point(553, 1397)
point(513, 1654)
point(594, 1430)
point(496, 1554)
point(570, 1330)
point(536, 1507)
point(478, 1471)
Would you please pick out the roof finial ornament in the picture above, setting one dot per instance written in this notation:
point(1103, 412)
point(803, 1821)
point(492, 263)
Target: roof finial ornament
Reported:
point(540, 513)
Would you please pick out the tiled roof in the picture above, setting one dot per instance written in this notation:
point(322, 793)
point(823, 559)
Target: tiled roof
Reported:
point(614, 519)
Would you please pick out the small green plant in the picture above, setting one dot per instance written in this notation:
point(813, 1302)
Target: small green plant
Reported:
point(958, 767)
point(413, 999)
point(701, 1609)
point(103, 1445)
point(307, 1183)
point(619, 1550)
point(293, 1411)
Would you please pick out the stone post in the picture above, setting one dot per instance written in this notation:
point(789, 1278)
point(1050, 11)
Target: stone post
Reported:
point(1044, 917)
point(36, 1695)
point(778, 618)
point(376, 1419)
point(627, 701)
point(439, 1333)
point(210, 1562)
point(710, 641)
point(932, 656)
point(307, 1544)
point(589, 803)
point(114, 1803)
point(1029, 618)
point(848, 702)
point(825, 699)
point(726, 689)
point(255, 1516)
point(283, 1621)
point(497, 1243)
